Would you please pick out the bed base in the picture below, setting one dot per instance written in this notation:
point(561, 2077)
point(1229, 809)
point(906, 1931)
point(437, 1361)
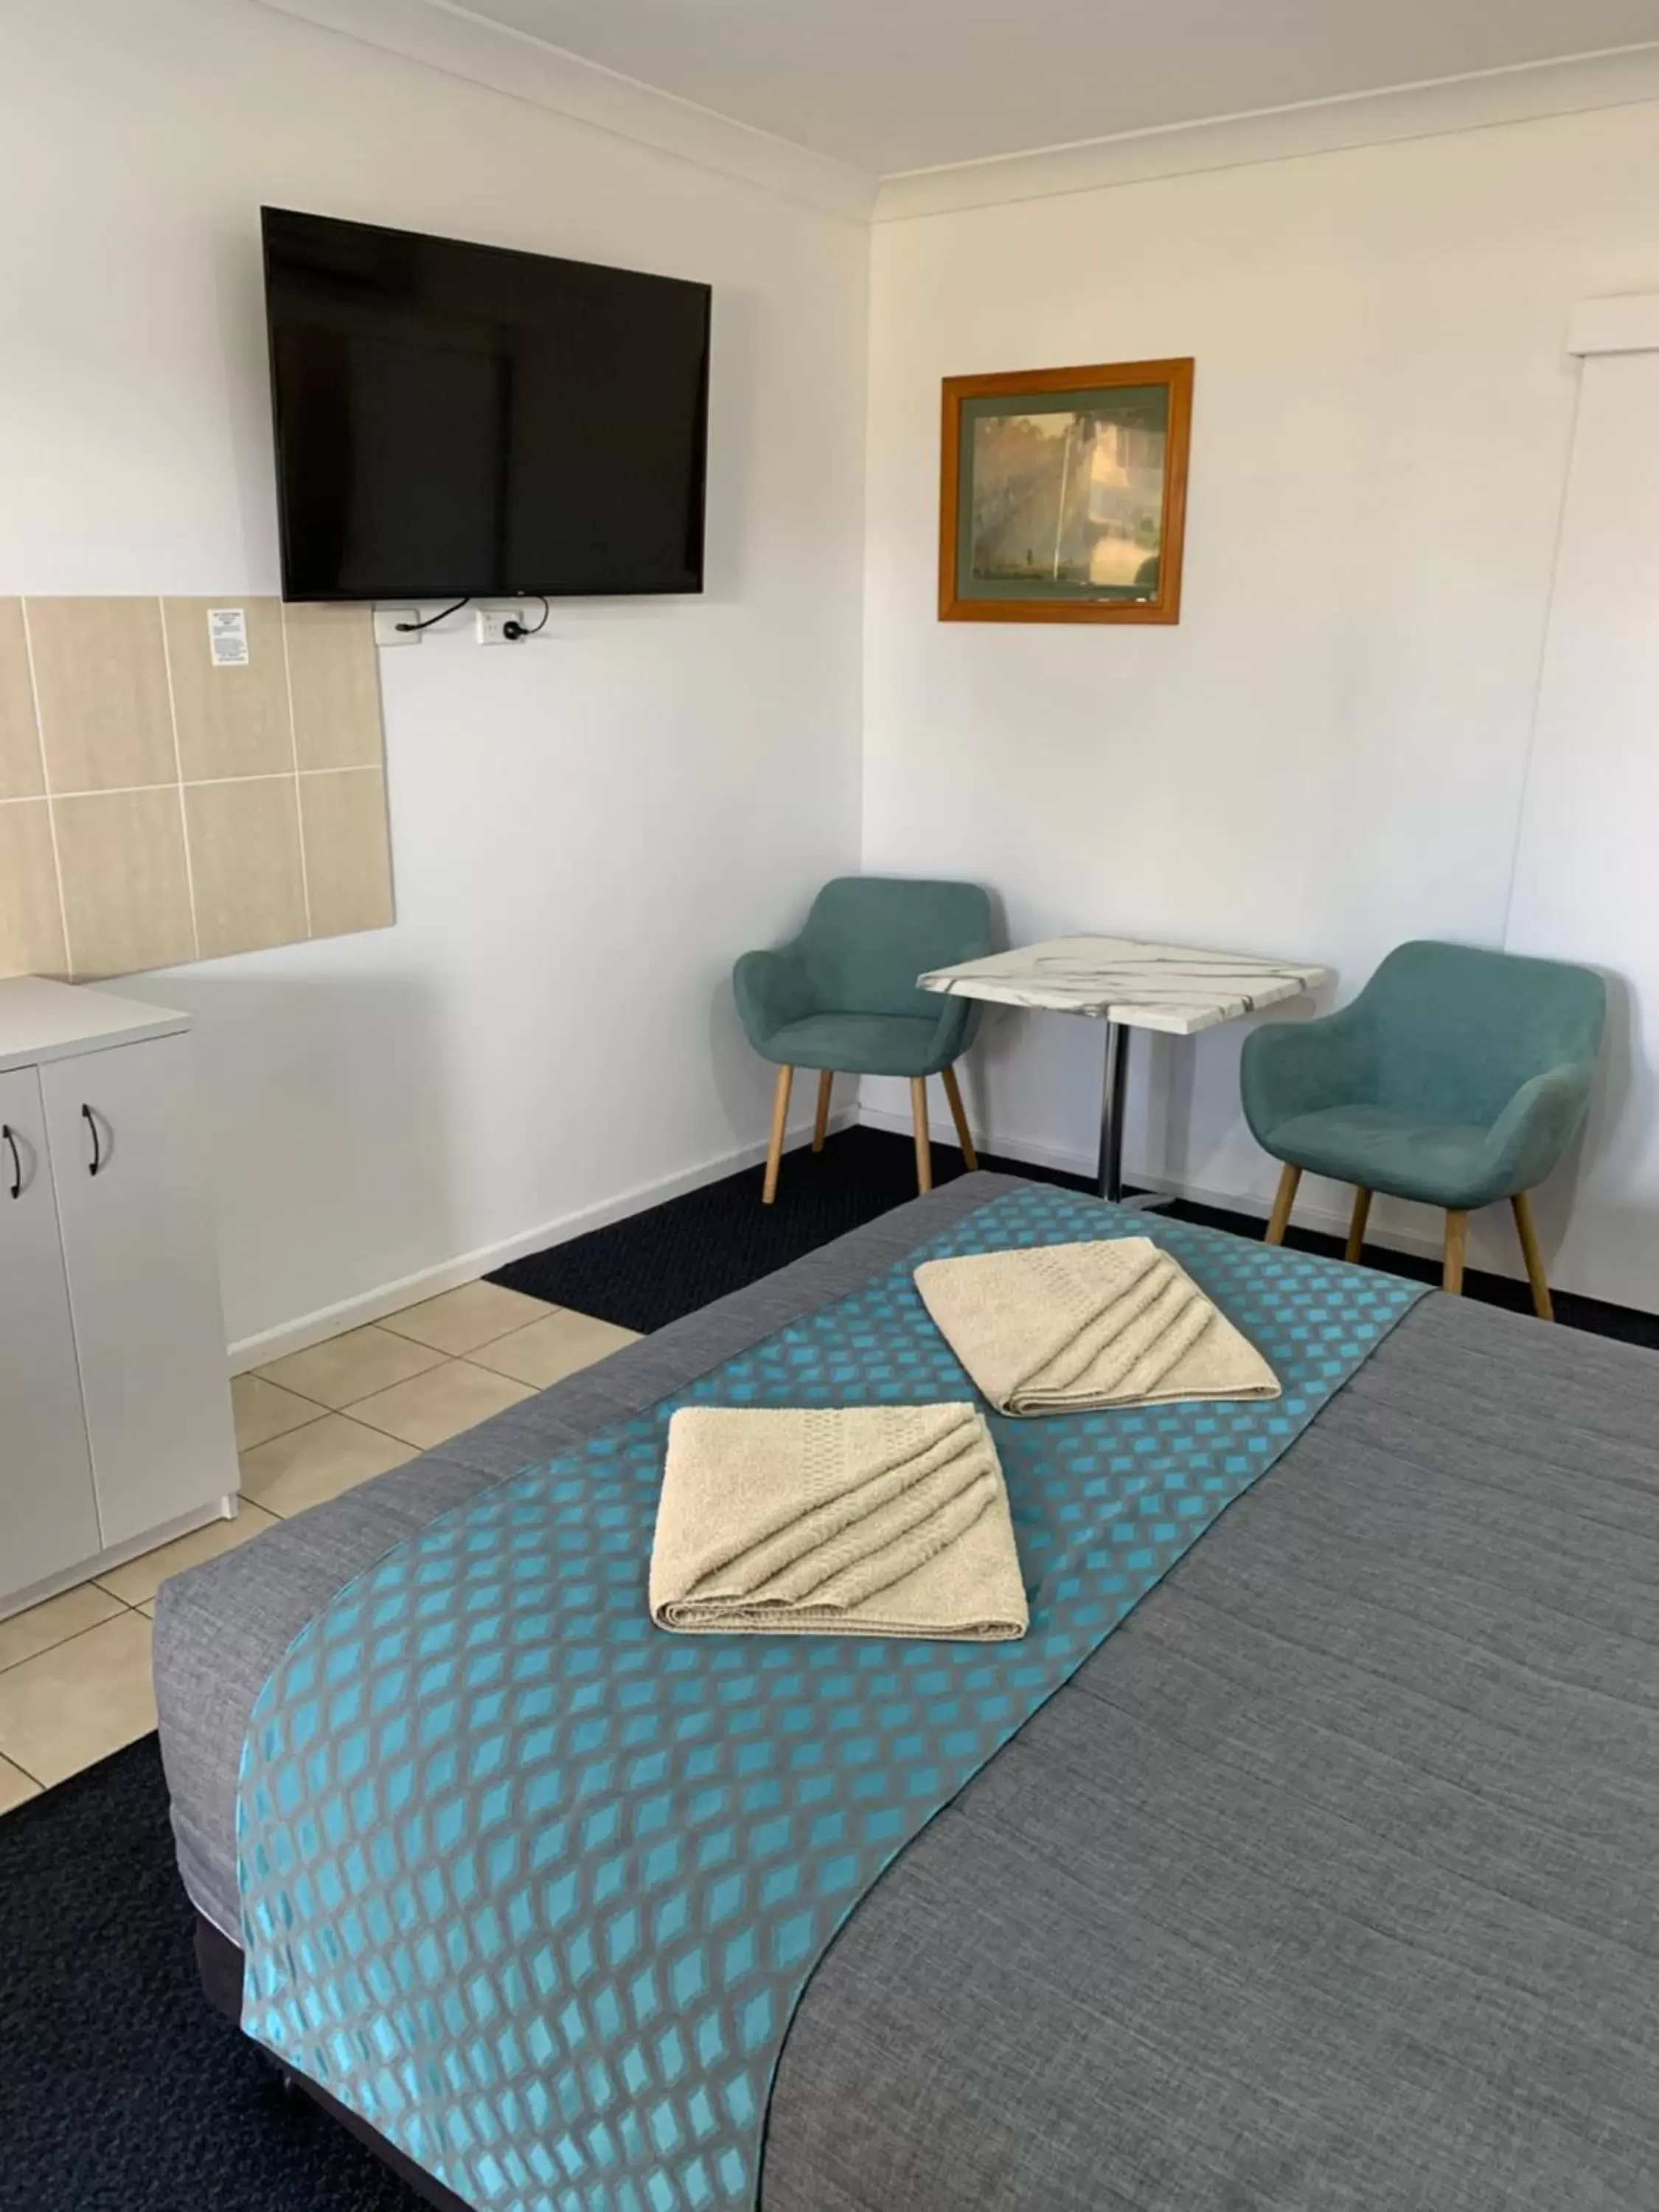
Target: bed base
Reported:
point(219, 1962)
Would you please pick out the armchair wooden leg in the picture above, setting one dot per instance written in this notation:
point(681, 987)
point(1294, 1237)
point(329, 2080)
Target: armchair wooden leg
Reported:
point(1279, 1220)
point(924, 1149)
point(1457, 1238)
point(1543, 1305)
point(970, 1159)
point(826, 1082)
point(774, 1148)
point(1362, 1208)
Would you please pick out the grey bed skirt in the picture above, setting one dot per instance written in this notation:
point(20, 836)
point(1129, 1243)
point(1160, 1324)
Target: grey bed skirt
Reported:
point(1330, 1881)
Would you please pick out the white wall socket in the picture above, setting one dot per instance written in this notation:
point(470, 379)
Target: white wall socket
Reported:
point(492, 622)
point(386, 631)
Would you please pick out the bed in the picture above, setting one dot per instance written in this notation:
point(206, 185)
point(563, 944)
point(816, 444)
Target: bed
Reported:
point(1328, 1882)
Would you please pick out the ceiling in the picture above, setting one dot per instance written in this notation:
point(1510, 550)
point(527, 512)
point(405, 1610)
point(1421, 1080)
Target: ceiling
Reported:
point(889, 86)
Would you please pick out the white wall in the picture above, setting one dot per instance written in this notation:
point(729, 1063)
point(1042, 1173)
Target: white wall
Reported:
point(1587, 880)
point(584, 830)
point(1330, 753)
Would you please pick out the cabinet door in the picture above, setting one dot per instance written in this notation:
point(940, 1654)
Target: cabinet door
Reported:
point(48, 1522)
point(143, 1282)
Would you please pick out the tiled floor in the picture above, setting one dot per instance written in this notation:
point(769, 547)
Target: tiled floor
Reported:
point(74, 1672)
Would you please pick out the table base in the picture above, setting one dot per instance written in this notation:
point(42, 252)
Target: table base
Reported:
point(1113, 1091)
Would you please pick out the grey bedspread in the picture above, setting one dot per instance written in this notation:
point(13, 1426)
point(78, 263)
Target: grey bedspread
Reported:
point(1331, 1880)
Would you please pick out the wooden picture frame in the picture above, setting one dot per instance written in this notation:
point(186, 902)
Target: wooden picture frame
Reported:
point(1008, 471)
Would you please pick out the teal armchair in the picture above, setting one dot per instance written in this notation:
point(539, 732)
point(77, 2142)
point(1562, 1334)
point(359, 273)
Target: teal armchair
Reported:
point(1457, 1077)
point(842, 997)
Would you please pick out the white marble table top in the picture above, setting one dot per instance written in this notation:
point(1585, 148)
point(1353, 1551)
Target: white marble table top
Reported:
point(1118, 979)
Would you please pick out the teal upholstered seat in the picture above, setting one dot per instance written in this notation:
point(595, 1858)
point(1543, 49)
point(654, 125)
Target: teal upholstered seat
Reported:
point(1383, 1148)
point(1457, 1077)
point(841, 998)
point(862, 1044)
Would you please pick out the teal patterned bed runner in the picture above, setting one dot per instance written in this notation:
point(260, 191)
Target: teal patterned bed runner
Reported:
point(535, 1889)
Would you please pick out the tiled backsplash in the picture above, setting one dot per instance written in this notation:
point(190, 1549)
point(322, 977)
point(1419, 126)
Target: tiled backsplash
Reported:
point(155, 808)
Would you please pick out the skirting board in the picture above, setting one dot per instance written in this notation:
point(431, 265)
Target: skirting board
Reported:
point(311, 1328)
point(103, 1563)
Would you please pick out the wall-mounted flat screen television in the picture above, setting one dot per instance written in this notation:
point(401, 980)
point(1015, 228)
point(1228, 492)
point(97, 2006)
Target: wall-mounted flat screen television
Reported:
point(467, 420)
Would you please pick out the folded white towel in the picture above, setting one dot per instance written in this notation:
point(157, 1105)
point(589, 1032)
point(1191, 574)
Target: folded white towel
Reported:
point(1055, 1327)
point(862, 1519)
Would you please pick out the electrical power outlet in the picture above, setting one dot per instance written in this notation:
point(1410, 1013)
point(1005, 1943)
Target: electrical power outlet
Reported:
point(492, 622)
point(386, 631)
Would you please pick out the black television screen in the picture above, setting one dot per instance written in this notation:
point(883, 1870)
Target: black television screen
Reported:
point(463, 420)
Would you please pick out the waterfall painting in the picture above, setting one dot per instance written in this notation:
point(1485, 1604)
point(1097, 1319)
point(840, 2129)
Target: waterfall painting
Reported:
point(1063, 494)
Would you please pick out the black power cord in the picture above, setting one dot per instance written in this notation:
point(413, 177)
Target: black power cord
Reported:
point(515, 630)
point(406, 628)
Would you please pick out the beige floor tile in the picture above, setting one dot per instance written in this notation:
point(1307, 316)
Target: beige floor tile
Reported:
point(264, 1410)
point(435, 1406)
point(308, 1465)
point(15, 1785)
point(142, 1577)
point(66, 1708)
point(350, 1366)
point(554, 1347)
point(54, 1622)
point(460, 1321)
point(148, 1608)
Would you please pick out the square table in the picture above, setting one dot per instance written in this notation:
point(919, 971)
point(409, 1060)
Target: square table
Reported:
point(1127, 985)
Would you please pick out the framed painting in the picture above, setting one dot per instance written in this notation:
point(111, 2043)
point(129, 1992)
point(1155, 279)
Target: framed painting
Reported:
point(1063, 494)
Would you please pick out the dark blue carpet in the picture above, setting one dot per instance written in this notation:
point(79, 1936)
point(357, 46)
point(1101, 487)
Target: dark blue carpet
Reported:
point(656, 1266)
point(121, 2090)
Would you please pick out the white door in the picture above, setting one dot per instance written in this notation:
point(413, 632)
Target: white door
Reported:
point(143, 1282)
point(48, 1522)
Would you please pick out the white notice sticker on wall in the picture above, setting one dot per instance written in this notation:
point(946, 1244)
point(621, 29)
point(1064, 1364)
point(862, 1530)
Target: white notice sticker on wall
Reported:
point(227, 636)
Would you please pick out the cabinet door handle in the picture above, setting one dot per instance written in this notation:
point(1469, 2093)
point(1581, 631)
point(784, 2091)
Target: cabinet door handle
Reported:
point(91, 1120)
point(9, 1138)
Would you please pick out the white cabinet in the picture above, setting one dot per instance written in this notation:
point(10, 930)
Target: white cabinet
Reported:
point(115, 1424)
point(47, 1515)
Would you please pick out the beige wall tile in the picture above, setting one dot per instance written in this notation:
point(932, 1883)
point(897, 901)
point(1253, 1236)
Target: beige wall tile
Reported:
point(20, 743)
point(80, 1701)
point(336, 683)
point(244, 865)
point(231, 721)
point(31, 915)
point(125, 890)
point(100, 678)
point(347, 851)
